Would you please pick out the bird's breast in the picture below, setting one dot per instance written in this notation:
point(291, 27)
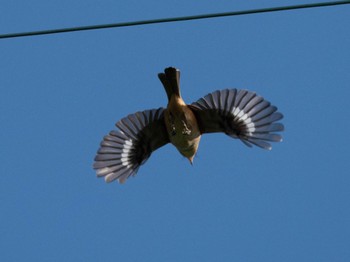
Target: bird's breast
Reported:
point(182, 128)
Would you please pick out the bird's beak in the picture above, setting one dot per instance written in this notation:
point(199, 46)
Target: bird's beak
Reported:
point(191, 159)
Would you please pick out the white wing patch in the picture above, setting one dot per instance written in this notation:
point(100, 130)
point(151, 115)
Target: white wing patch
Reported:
point(125, 155)
point(244, 118)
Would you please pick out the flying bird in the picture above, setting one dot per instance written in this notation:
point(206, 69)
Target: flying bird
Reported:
point(238, 113)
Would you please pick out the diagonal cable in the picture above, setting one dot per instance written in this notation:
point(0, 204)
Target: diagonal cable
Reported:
point(173, 19)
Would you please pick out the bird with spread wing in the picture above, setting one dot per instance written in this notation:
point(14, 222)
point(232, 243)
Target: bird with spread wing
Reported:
point(238, 113)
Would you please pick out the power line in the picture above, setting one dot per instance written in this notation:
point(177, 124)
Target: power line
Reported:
point(173, 19)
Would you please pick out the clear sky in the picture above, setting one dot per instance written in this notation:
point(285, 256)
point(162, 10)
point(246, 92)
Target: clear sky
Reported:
point(60, 94)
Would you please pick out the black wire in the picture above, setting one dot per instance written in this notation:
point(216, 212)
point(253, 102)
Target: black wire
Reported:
point(173, 19)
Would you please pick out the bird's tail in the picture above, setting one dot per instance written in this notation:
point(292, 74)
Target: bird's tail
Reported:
point(171, 81)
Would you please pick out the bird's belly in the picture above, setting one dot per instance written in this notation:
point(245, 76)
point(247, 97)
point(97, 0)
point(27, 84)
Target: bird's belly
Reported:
point(186, 144)
point(181, 140)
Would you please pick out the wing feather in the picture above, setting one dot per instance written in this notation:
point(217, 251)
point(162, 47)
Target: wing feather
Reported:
point(123, 151)
point(240, 114)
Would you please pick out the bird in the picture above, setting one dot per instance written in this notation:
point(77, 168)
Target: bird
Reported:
point(238, 113)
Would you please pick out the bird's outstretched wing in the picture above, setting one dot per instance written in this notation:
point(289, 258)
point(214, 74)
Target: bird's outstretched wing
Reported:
point(240, 114)
point(123, 151)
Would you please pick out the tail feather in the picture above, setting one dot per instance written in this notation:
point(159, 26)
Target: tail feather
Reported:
point(171, 81)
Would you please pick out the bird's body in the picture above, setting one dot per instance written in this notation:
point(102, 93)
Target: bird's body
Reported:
point(182, 127)
point(180, 121)
point(237, 113)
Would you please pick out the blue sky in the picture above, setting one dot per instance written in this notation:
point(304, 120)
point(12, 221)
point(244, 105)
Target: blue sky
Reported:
point(60, 94)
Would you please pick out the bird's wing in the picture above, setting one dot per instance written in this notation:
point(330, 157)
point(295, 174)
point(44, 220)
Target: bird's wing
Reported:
point(123, 151)
point(240, 114)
